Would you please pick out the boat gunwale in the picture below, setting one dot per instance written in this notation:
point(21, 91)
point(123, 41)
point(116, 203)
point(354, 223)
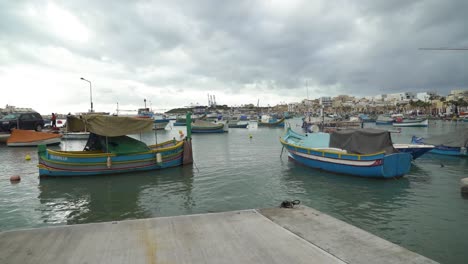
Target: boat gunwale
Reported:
point(90, 154)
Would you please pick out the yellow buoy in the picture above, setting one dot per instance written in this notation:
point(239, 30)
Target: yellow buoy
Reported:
point(250, 136)
point(27, 157)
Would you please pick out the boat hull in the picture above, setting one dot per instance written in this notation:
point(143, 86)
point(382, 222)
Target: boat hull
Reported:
point(424, 123)
point(314, 152)
point(450, 151)
point(82, 163)
point(76, 135)
point(279, 123)
point(384, 122)
point(160, 124)
point(391, 166)
point(415, 150)
point(48, 142)
point(238, 125)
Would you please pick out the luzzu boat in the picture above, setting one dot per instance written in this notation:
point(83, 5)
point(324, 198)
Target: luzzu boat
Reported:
point(201, 126)
point(411, 123)
point(384, 120)
point(269, 121)
point(452, 144)
point(360, 152)
point(110, 151)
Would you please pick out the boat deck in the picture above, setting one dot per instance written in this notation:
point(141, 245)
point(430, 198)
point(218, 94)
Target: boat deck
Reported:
point(299, 235)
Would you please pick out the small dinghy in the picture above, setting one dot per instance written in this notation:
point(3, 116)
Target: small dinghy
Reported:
point(31, 138)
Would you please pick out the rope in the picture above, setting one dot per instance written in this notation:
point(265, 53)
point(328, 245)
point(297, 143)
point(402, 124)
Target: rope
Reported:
point(289, 204)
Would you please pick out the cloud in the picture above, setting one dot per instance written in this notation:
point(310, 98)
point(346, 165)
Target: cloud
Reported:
point(174, 53)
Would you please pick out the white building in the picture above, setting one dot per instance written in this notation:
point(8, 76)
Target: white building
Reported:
point(325, 101)
point(424, 96)
point(405, 96)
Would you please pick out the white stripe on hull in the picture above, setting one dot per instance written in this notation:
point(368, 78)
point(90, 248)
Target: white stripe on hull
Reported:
point(363, 163)
point(35, 143)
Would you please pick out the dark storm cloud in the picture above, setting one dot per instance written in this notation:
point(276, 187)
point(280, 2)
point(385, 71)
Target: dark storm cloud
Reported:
point(362, 48)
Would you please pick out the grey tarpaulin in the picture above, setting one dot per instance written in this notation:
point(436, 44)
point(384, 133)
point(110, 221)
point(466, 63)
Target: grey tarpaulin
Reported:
point(363, 141)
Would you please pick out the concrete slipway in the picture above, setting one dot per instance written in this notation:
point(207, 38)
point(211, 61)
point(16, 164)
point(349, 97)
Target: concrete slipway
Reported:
point(299, 235)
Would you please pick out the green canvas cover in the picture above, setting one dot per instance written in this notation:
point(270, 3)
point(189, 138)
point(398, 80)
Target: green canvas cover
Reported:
point(114, 126)
point(122, 145)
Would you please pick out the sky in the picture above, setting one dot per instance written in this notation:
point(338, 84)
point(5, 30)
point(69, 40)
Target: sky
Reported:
point(174, 53)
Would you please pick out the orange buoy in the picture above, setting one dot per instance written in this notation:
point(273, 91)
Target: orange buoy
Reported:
point(15, 178)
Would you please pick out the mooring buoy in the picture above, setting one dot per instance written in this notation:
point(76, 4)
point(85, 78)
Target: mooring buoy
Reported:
point(15, 179)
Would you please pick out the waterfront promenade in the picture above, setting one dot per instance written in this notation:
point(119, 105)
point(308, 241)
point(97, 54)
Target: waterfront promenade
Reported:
point(275, 235)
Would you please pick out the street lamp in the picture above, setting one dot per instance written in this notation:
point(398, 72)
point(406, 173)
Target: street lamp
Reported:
point(90, 93)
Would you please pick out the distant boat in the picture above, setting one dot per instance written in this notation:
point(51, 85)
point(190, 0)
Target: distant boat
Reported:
point(202, 126)
point(384, 120)
point(31, 138)
point(360, 152)
point(238, 122)
point(110, 151)
point(451, 144)
point(270, 121)
point(411, 123)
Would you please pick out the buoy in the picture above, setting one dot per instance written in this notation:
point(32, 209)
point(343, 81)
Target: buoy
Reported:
point(464, 186)
point(158, 158)
point(27, 157)
point(181, 133)
point(15, 179)
point(250, 136)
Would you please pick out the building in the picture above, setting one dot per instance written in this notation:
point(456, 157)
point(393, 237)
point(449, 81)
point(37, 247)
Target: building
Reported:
point(405, 96)
point(425, 96)
point(325, 101)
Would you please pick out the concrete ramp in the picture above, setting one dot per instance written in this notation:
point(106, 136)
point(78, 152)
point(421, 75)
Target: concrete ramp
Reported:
point(300, 235)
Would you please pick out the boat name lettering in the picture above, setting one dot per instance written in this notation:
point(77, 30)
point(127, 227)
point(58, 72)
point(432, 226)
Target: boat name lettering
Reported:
point(57, 157)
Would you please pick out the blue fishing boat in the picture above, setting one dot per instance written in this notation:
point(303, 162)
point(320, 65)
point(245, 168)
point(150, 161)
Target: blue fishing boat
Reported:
point(360, 152)
point(110, 151)
point(452, 144)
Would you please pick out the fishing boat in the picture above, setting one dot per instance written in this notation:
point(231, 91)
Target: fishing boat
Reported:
point(358, 152)
point(269, 121)
point(416, 150)
point(452, 144)
point(202, 126)
point(182, 121)
point(238, 122)
point(411, 123)
point(31, 138)
point(384, 120)
point(109, 150)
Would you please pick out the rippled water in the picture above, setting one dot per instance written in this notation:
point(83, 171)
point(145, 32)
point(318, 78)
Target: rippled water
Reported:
point(422, 211)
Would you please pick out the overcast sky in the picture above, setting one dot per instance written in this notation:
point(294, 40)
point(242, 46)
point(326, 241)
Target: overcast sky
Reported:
point(174, 53)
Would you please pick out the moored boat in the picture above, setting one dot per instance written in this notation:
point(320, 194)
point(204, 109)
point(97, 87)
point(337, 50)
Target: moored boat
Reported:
point(109, 150)
point(411, 123)
point(4, 136)
point(31, 138)
point(360, 152)
point(269, 121)
point(202, 126)
point(416, 150)
point(452, 144)
point(384, 120)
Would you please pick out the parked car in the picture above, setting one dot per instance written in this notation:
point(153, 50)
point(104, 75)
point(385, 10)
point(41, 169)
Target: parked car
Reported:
point(22, 120)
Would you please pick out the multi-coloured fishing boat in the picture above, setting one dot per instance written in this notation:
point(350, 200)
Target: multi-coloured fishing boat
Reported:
point(109, 150)
point(360, 152)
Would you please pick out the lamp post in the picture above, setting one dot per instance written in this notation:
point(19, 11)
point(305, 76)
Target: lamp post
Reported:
point(90, 93)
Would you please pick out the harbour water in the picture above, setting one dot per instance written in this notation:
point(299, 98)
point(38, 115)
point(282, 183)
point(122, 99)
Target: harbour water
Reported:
point(422, 211)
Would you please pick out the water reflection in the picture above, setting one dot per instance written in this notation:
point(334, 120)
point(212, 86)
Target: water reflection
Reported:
point(116, 197)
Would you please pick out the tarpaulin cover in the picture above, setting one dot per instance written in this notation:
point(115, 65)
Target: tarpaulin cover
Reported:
point(458, 138)
point(75, 124)
point(111, 126)
point(363, 141)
